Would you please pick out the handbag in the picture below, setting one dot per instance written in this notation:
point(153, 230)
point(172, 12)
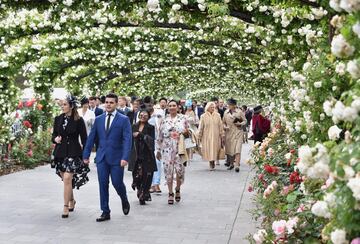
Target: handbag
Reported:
point(221, 154)
point(189, 143)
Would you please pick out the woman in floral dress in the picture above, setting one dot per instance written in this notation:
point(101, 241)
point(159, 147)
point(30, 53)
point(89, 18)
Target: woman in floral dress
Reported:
point(170, 129)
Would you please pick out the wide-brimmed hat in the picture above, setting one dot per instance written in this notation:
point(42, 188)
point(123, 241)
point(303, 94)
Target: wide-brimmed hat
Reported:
point(258, 109)
point(231, 101)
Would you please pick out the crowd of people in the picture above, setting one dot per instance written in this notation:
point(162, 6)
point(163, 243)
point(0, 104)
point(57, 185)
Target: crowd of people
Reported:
point(150, 137)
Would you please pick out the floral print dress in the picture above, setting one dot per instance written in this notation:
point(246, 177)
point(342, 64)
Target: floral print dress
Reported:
point(168, 143)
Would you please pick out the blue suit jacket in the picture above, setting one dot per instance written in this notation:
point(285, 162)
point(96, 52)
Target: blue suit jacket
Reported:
point(114, 145)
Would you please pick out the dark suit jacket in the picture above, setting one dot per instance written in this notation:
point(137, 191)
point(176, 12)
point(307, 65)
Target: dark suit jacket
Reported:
point(200, 111)
point(70, 145)
point(98, 111)
point(114, 145)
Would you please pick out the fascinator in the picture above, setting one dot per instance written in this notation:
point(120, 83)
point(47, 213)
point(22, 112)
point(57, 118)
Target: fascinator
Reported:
point(73, 102)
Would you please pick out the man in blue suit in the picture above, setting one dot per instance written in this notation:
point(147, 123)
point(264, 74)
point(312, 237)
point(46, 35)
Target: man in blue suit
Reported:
point(114, 133)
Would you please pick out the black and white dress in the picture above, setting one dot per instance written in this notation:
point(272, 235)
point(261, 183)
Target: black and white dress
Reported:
point(68, 153)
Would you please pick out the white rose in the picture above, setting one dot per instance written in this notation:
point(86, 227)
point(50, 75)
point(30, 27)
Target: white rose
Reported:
point(321, 209)
point(176, 7)
point(353, 68)
point(334, 132)
point(328, 106)
point(202, 7)
point(350, 114)
point(340, 68)
point(200, 1)
point(259, 237)
point(68, 2)
point(335, 4)
point(356, 29)
point(338, 237)
point(340, 47)
point(185, 2)
point(152, 5)
point(350, 5)
point(317, 84)
point(338, 112)
point(354, 185)
point(356, 104)
point(318, 171)
point(349, 172)
point(330, 199)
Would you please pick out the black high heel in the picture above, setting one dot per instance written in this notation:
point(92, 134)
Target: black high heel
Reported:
point(177, 196)
point(64, 216)
point(171, 199)
point(72, 209)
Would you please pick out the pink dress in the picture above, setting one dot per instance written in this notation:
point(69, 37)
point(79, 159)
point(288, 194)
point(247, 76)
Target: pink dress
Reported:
point(167, 142)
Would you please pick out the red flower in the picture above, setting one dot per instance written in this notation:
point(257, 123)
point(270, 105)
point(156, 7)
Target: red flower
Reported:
point(271, 169)
point(289, 162)
point(27, 124)
point(30, 153)
point(295, 178)
point(30, 103)
point(250, 188)
point(17, 115)
point(292, 151)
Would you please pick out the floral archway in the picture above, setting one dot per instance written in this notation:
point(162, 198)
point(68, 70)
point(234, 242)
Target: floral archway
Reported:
point(300, 56)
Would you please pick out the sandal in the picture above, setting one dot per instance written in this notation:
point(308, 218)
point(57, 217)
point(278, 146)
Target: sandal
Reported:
point(177, 196)
point(72, 209)
point(171, 199)
point(64, 216)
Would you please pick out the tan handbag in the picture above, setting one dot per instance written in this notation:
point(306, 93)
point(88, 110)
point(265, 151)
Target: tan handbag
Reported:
point(221, 154)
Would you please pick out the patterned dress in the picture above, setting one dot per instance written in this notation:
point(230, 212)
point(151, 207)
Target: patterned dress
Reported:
point(167, 144)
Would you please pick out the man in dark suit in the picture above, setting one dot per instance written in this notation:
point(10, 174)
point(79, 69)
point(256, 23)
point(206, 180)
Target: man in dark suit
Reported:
point(198, 109)
point(93, 106)
point(114, 133)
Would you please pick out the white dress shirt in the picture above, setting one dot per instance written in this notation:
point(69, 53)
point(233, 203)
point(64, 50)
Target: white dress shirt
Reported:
point(111, 118)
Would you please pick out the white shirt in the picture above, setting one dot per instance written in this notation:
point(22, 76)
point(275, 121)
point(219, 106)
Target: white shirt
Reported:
point(111, 118)
point(89, 119)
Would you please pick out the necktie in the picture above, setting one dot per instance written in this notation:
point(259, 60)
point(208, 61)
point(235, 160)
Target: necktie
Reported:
point(108, 122)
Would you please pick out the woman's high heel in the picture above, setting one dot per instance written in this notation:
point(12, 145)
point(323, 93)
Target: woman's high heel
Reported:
point(64, 216)
point(177, 195)
point(171, 199)
point(72, 209)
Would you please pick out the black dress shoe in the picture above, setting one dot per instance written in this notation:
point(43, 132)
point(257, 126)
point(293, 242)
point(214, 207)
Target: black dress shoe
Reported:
point(237, 170)
point(231, 167)
point(142, 202)
point(103, 217)
point(227, 164)
point(126, 207)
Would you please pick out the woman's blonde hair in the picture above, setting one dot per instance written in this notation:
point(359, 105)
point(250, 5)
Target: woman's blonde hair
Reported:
point(208, 106)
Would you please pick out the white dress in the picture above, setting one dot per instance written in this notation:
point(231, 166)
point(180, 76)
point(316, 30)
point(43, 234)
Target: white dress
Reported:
point(89, 119)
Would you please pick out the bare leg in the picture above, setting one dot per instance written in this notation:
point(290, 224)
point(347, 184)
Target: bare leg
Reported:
point(237, 162)
point(68, 193)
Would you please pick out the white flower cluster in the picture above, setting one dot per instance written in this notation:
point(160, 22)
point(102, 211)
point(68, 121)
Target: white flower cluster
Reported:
point(340, 112)
point(349, 6)
point(260, 236)
point(340, 47)
point(339, 237)
point(314, 162)
point(321, 209)
point(354, 185)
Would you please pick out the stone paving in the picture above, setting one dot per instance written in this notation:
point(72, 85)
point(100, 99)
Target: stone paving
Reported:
point(214, 209)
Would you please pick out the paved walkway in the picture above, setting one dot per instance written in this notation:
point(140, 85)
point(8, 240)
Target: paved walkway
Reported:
point(214, 209)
